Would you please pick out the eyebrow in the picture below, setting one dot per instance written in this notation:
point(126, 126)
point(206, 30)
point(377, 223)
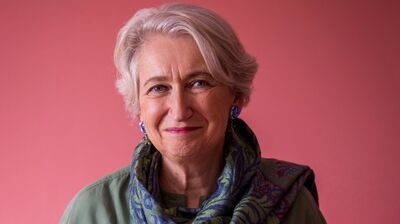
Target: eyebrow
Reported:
point(191, 75)
point(155, 78)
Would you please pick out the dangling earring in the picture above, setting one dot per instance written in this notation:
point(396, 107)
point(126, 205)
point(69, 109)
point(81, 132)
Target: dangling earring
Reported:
point(235, 111)
point(143, 130)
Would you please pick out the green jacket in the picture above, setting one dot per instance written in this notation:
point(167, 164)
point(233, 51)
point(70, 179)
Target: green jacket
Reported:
point(106, 201)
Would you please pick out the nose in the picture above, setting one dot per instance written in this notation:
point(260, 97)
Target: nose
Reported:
point(180, 108)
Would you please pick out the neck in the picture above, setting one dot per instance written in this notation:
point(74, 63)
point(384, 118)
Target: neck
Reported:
point(194, 179)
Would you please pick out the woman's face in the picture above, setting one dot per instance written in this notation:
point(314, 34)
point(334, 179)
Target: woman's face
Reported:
point(185, 111)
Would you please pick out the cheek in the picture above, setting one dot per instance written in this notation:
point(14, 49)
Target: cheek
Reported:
point(223, 100)
point(150, 112)
point(216, 106)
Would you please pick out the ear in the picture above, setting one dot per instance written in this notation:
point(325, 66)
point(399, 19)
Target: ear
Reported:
point(138, 116)
point(238, 101)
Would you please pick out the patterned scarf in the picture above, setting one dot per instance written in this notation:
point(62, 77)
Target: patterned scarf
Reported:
point(244, 193)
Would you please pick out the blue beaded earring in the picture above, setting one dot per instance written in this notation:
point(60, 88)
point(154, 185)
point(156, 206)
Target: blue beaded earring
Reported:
point(142, 129)
point(235, 111)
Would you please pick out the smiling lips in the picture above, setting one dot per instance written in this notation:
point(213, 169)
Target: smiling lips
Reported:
point(183, 130)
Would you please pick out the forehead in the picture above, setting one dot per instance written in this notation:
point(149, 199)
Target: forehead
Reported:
point(163, 54)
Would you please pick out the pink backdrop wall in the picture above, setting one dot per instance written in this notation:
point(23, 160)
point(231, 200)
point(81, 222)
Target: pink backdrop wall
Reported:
point(326, 94)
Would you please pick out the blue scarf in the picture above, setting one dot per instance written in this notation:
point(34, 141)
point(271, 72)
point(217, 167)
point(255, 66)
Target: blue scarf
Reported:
point(245, 194)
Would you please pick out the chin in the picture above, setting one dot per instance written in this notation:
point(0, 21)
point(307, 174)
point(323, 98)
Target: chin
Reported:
point(180, 150)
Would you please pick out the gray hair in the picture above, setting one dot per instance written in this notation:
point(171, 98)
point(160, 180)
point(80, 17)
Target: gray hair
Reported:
point(221, 49)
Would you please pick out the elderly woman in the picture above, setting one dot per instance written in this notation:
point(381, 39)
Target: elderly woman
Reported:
point(185, 75)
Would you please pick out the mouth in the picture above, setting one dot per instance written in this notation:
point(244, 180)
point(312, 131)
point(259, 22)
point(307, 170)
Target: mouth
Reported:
point(181, 130)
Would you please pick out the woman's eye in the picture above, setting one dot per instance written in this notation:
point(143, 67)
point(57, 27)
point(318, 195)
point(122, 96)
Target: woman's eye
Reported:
point(157, 89)
point(200, 83)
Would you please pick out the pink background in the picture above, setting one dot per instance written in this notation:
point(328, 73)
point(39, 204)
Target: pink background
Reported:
point(326, 95)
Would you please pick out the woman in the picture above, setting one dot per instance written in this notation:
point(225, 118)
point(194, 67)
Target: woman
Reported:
point(185, 75)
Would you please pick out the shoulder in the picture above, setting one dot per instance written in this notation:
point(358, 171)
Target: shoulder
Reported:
point(274, 168)
point(284, 174)
point(297, 191)
point(104, 201)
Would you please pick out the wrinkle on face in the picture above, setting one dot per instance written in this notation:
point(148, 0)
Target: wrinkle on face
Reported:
point(173, 62)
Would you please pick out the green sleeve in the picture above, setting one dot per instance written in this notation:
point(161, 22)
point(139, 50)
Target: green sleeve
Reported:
point(105, 201)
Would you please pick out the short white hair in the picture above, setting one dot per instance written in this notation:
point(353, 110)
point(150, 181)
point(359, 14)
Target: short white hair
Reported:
point(221, 49)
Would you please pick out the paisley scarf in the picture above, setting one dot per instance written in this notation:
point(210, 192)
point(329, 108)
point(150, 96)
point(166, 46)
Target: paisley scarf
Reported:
point(245, 194)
